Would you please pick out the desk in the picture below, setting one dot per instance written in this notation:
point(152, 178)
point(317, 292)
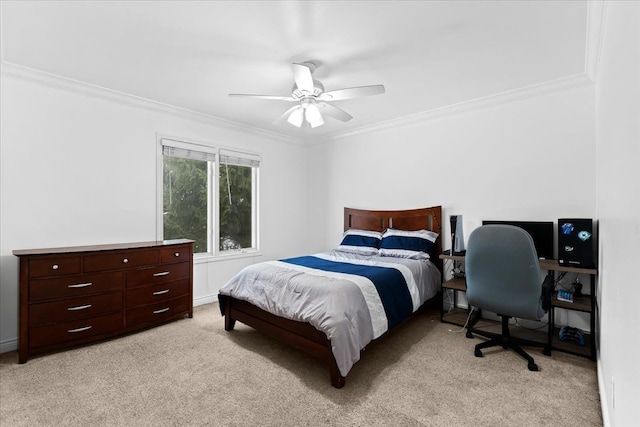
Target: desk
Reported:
point(456, 315)
point(583, 303)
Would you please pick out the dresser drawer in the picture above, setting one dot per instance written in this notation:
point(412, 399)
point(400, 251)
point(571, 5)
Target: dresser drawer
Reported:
point(175, 254)
point(120, 260)
point(73, 286)
point(55, 265)
point(159, 274)
point(82, 329)
point(143, 295)
point(74, 308)
point(158, 312)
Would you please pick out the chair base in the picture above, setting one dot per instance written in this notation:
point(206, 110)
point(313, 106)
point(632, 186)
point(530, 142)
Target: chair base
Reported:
point(507, 341)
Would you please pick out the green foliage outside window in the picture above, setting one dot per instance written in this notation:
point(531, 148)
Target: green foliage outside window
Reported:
point(185, 200)
point(235, 207)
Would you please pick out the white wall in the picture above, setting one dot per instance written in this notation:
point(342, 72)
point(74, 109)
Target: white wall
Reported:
point(618, 207)
point(80, 169)
point(533, 159)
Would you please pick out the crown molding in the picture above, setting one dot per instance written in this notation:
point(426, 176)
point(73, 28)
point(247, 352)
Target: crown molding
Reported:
point(53, 80)
point(546, 88)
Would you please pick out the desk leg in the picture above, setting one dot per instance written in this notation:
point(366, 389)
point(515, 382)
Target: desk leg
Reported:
point(551, 328)
point(551, 323)
point(593, 313)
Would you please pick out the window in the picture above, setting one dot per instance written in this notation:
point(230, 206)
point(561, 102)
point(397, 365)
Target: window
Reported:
point(237, 201)
point(208, 195)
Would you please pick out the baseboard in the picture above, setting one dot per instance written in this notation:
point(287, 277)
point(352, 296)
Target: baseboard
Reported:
point(8, 345)
point(208, 299)
point(603, 396)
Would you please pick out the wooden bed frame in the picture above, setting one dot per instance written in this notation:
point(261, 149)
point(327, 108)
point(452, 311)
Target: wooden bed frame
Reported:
point(304, 336)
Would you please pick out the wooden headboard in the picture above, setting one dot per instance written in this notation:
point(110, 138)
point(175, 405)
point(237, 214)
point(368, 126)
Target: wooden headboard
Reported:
point(412, 219)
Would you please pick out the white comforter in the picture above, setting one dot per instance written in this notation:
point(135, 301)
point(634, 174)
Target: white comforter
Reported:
point(345, 307)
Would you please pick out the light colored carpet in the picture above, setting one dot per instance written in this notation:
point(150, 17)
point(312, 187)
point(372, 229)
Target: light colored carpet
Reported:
point(193, 373)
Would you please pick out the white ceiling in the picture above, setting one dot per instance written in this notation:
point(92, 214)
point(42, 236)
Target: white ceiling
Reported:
point(428, 54)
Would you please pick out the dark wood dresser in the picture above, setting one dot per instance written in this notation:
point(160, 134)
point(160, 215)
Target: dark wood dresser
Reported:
point(76, 295)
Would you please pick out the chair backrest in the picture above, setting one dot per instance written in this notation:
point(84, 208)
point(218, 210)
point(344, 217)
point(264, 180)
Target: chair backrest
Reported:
point(503, 272)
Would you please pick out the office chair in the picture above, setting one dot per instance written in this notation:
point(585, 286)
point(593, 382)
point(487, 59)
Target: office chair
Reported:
point(503, 276)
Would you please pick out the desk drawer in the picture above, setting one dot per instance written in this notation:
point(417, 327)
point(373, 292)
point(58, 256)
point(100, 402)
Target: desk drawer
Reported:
point(74, 286)
point(82, 329)
point(74, 308)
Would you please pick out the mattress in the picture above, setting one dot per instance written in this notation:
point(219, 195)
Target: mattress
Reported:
point(352, 298)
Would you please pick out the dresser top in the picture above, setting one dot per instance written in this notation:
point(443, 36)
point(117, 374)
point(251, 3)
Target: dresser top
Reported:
point(107, 247)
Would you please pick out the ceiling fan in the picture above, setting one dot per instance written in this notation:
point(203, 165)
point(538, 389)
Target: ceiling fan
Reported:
point(311, 99)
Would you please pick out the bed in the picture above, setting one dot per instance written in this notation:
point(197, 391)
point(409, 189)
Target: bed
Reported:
point(299, 300)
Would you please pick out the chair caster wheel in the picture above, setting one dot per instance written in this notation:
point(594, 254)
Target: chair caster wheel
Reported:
point(477, 353)
point(533, 367)
point(469, 334)
point(546, 352)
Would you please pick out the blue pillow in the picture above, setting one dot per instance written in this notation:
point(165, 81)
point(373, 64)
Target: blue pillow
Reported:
point(408, 244)
point(364, 242)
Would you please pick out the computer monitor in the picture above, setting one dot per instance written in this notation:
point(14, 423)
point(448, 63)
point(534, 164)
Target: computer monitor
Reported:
point(541, 232)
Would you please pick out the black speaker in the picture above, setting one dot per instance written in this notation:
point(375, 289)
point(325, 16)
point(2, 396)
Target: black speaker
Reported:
point(576, 242)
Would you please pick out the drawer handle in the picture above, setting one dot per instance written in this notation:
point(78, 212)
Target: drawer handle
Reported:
point(80, 285)
point(177, 254)
point(125, 260)
point(162, 310)
point(161, 292)
point(55, 266)
point(86, 328)
point(79, 307)
point(162, 273)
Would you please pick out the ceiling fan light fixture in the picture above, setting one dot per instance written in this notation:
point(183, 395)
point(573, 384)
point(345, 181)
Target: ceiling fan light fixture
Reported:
point(316, 123)
point(312, 98)
point(296, 117)
point(313, 116)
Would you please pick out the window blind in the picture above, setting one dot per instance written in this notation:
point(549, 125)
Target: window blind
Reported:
point(237, 158)
point(188, 151)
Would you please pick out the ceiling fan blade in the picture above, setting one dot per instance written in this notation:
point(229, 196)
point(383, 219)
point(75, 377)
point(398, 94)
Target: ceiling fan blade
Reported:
point(248, 95)
point(352, 92)
point(284, 116)
point(303, 78)
point(335, 112)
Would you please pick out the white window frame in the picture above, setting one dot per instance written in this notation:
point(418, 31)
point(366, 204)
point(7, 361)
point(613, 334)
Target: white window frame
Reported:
point(213, 202)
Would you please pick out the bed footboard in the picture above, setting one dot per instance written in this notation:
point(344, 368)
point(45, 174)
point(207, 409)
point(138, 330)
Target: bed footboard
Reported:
point(300, 335)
